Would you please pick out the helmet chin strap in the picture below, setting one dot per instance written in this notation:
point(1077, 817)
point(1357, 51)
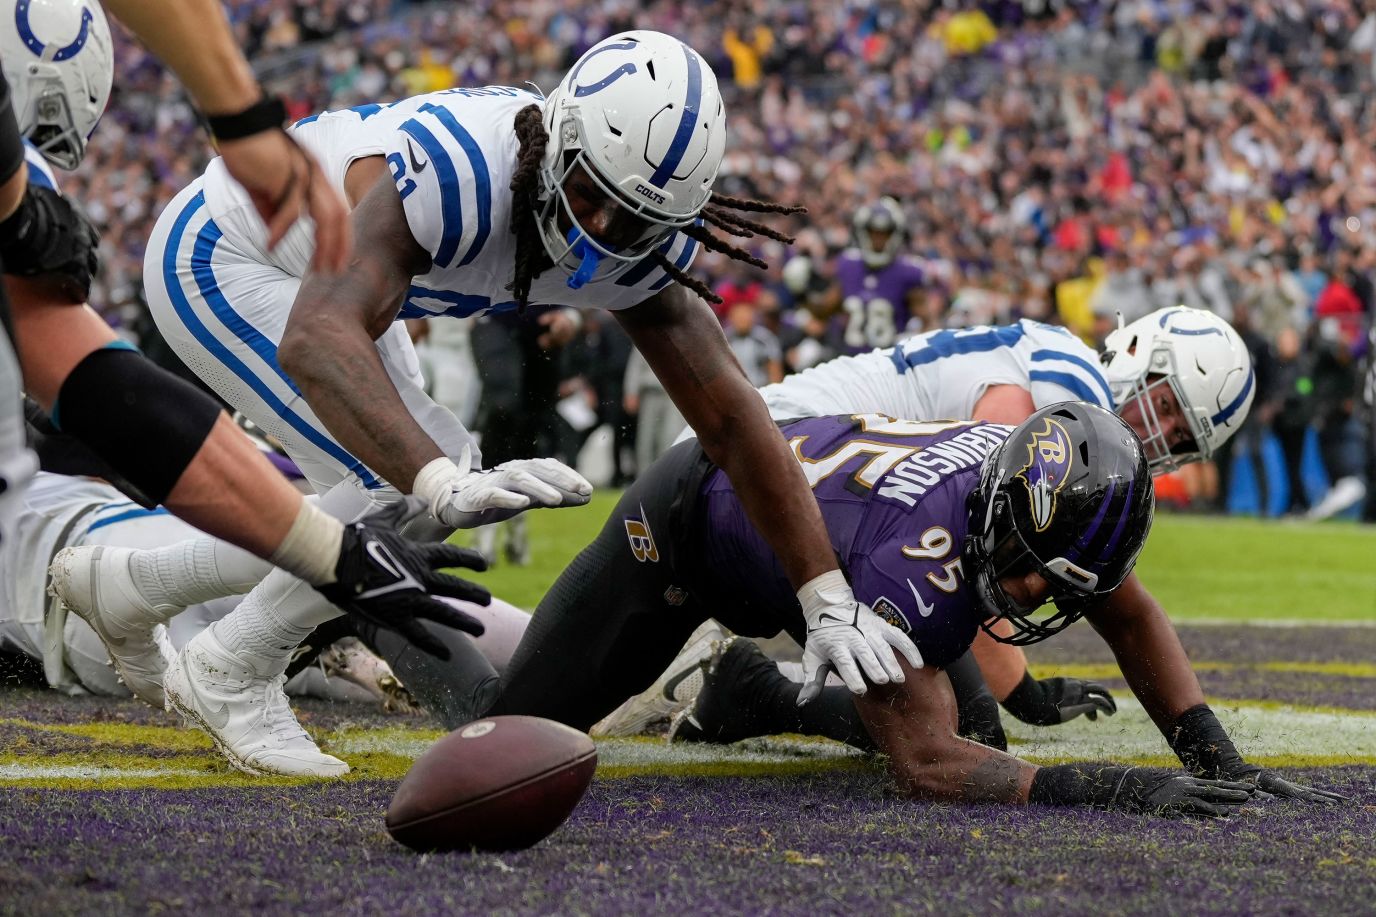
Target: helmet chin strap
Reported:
point(589, 259)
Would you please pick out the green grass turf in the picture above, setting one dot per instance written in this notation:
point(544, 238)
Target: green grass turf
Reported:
point(1198, 566)
point(1250, 569)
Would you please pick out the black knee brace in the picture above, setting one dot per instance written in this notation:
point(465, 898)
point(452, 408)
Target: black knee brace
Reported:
point(147, 423)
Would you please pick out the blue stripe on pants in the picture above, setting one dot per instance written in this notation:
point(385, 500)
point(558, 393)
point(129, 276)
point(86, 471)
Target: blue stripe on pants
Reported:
point(205, 281)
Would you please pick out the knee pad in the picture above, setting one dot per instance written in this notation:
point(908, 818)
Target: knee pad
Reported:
point(145, 422)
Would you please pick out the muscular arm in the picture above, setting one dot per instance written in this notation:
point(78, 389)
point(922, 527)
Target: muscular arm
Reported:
point(328, 350)
point(684, 345)
point(193, 37)
point(1010, 404)
point(914, 724)
point(1148, 651)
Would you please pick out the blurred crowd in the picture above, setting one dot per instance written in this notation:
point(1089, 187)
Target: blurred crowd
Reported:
point(1066, 161)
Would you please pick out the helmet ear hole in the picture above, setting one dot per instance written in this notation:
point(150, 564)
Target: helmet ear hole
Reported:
point(1079, 524)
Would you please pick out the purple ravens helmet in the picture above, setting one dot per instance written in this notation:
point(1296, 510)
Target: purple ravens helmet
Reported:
point(1067, 496)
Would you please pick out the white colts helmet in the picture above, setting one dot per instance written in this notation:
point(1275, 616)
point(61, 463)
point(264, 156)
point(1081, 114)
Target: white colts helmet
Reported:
point(59, 61)
point(1205, 363)
point(642, 115)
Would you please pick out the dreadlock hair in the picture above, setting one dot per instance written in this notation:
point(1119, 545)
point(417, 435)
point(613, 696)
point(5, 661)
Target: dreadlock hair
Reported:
point(532, 259)
point(719, 214)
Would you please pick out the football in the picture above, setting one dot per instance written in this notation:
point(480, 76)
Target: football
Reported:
point(501, 783)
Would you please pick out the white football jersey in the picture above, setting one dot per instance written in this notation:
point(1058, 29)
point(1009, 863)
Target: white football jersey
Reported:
point(452, 155)
point(940, 375)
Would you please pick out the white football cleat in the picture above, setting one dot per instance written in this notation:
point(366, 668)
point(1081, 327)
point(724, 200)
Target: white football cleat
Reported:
point(674, 690)
point(246, 714)
point(94, 582)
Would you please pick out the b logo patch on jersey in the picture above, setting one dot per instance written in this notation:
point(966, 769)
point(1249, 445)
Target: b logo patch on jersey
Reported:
point(1049, 460)
point(890, 613)
point(642, 539)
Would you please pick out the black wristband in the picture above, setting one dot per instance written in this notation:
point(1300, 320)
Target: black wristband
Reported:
point(1025, 699)
point(1077, 784)
point(268, 113)
point(1202, 744)
point(1105, 786)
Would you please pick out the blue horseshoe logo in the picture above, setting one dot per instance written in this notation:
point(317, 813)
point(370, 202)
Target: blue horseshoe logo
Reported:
point(618, 73)
point(67, 52)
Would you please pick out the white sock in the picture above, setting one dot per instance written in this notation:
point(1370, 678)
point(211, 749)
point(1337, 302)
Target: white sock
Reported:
point(256, 631)
point(194, 571)
point(272, 620)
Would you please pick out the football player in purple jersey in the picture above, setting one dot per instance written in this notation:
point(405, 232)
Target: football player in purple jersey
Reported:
point(939, 527)
point(877, 292)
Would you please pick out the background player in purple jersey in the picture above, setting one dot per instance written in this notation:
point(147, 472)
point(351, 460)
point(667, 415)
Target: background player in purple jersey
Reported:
point(877, 292)
point(938, 526)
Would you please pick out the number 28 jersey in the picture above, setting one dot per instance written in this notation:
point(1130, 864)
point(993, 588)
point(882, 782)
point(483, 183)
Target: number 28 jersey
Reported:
point(893, 494)
point(874, 303)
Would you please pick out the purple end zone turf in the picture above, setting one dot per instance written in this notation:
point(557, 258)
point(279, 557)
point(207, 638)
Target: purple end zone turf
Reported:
point(835, 843)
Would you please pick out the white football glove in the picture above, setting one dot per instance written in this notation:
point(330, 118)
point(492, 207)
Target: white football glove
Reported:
point(844, 634)
point(464, 497)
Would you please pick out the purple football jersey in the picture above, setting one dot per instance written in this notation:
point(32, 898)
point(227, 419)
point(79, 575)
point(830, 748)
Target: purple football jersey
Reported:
point(874, 304)
point(893, 496)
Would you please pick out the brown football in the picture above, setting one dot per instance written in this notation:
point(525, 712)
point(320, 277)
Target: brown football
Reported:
point(501, 783)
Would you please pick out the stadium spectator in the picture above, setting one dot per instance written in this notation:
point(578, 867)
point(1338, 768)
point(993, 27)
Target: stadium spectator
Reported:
point(1028, 143)
point(658, 421)
point(754, 345)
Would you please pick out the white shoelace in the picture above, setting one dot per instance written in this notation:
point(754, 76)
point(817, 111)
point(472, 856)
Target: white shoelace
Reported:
point(277, 713)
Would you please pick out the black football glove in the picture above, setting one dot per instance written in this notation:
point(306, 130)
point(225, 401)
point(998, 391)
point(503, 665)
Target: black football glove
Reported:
point(1148, 790)
point(388, 580)
point(1203, 746)
point(1156, 791)
point(1269, 783)
point(49, 237)
point(1058, 700)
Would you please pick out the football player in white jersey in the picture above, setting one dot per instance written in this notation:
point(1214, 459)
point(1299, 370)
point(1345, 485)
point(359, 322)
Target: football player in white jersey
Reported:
point(465, 201)
point(172, 441)
point(178, 582)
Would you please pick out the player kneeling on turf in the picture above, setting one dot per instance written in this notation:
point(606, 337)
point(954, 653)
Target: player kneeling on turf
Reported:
point(939, 528)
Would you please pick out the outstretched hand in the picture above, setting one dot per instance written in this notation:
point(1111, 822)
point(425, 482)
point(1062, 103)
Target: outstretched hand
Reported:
point(390, 581)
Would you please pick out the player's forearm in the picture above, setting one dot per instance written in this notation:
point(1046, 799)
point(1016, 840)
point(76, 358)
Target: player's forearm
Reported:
point(684, 345)
point(1149, 653)
point(232, 492)
point(913, 723)
point(195, 40)
point(340, 373)
point(771, 487)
